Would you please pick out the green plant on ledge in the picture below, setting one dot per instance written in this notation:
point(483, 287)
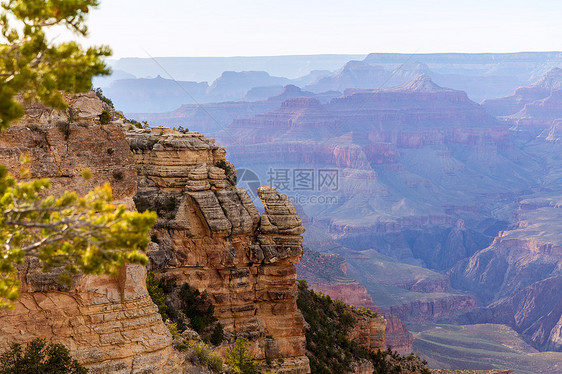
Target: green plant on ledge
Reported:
point(105, 117)
point(240, 359)
point(175, 303)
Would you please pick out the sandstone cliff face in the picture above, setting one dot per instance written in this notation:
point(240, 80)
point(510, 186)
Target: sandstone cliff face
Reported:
point(109, 324)
point(211, 236)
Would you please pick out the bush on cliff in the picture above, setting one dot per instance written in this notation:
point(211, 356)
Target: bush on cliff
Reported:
point(196, 307)
point(105, 117)
point(178, 303)
point(38, 357)
point(240, 359)
point(328, 347)
point(157, 294)
point(229, 171)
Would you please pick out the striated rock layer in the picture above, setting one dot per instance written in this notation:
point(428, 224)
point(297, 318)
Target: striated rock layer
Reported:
point(110, 325)
point(211, 236)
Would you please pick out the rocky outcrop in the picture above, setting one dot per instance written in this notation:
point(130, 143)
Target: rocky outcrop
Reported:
point(369, 331)
point(398, 338)
point(354, 74)
point(211, 236)
point(110, 325)
point(540, 114)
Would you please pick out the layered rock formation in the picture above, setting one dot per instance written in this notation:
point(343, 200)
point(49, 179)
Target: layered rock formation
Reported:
point(534, 108)
point(109, 324)
point(211, 236)
point(354, 74)
point(369, 332)
point(541, 89)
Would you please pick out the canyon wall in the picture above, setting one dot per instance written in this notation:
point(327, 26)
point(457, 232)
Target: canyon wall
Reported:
point(518, 276)
point(326, 273)
point(110, 325)
point(211, 236)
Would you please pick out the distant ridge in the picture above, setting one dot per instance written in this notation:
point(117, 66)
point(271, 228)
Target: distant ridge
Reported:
point(422, 83)
point(552, 80)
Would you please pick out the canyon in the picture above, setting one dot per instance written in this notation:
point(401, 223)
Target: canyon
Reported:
point(431, 188)
point(419, 203)
point(429, 182)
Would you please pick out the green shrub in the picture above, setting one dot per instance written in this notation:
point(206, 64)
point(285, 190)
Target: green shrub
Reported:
point(204, 355)
point(164, 206)
point(196, 307)
point(38, 357)
point(201, 351)
point(190, 303)
point(218, 334)
point(229, 171)
point(240, 359)
point(105, 117)
point(215, 363)
point(157, 295)
point(139, 125)
point(173, 328)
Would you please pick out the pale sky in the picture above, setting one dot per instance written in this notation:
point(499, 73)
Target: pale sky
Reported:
point(161, 28)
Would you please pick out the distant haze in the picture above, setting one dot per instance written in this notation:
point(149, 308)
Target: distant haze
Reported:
point(136, 28)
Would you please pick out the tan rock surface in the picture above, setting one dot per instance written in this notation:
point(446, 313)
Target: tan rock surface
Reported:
point(212, 237)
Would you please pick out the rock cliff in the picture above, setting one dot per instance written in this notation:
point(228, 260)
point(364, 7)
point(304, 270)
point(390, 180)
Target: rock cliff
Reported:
point(109, 324)
point(211, 236)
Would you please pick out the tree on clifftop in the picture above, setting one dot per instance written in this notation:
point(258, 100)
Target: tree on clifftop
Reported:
point(84, 234)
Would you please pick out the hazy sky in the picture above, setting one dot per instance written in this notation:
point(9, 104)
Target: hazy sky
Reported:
point(279, 27)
